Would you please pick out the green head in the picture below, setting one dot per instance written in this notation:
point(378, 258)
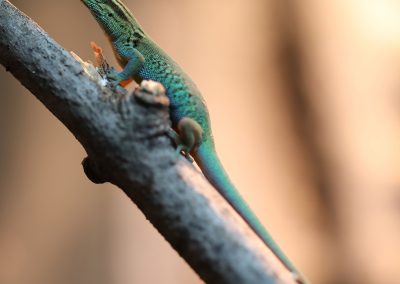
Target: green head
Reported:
point(113, 16)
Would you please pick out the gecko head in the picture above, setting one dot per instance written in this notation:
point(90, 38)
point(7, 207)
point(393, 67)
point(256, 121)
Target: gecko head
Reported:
point(112, 15)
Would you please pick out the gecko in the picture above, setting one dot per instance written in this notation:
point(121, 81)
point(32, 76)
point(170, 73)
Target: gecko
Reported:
point(142, 59)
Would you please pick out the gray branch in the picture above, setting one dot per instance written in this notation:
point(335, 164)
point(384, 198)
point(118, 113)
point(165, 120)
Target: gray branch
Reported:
point(126, 140)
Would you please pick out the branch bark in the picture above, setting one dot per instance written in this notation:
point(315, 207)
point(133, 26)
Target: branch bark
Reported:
point(127, 144)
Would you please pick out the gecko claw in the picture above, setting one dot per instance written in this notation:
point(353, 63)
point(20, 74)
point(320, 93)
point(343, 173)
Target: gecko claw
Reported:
point(182, 150)
point(113, 77)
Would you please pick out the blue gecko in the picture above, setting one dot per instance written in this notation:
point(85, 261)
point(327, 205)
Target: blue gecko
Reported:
point(141, 58)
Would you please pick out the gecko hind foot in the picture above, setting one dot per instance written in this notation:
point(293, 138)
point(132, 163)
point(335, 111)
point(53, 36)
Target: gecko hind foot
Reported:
point(181, 148)
point(187, 137)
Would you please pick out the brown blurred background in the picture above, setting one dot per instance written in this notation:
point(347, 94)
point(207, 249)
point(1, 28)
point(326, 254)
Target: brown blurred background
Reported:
point(305, 105)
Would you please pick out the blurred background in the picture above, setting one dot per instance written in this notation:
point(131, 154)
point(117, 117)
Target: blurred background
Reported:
point(304, 99)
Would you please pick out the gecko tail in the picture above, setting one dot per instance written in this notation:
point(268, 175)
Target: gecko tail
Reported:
point(208, 161)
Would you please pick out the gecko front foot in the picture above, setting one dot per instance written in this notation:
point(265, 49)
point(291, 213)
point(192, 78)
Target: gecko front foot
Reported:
point(113, 77)
point(110, 74)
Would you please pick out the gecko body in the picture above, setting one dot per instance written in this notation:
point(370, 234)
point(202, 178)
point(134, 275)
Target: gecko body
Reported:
point(141, 58)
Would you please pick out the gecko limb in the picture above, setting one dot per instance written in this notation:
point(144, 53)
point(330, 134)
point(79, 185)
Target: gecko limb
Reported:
point(189, 134)
point(134, 61)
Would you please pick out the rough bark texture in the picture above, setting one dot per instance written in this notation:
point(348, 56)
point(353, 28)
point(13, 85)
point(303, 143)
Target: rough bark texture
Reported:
point(127, 144)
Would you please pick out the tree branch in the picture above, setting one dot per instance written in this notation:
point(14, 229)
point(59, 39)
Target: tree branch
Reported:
point(127, 144)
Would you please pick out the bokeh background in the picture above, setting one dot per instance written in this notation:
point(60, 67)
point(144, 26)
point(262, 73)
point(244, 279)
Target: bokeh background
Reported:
point(305, 105)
